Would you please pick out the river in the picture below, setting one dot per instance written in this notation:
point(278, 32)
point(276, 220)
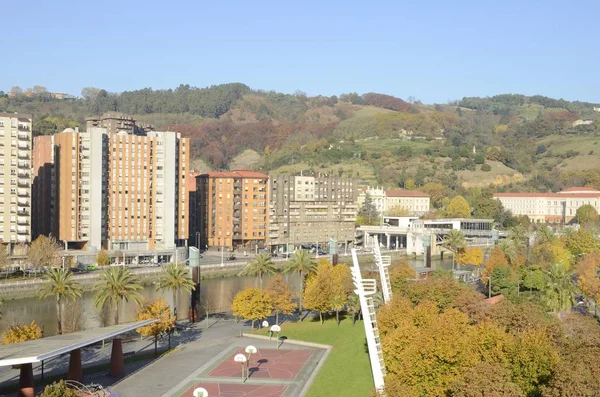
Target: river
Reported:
point(216, 294)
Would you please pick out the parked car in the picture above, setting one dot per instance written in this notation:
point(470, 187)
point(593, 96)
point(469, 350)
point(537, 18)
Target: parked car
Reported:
point(231, 257)
point(91, 268)
point(77, 270)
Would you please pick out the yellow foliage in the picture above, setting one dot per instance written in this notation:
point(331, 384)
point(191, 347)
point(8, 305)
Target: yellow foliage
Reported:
point(252, 304)
point(398, 210)
point(319, 289)
point(500, 128)
point(496, 258)
point(160, 311)
point(18, 333)
point(281, 296)
point(470, 256)
point(588, 279)
point(458, 208)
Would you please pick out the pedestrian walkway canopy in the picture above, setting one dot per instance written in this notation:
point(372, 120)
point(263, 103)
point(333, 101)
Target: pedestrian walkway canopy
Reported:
point(34, 351)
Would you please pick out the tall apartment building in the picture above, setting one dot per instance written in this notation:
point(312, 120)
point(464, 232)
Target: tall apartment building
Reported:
point(232, 209)
point(119, 191)
point(310, 210)
point(560, 207)
point(415, 202)
point(42, 188)
point(15, 177)
point(117, 122)
point(194, 230)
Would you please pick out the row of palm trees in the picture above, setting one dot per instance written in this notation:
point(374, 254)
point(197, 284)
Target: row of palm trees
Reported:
point(300, 262)
point(116, 286)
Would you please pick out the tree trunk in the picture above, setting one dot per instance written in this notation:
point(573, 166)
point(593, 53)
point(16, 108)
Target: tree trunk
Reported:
point(252, 325)
point(321, 317)
point(301, 293)
point(175, 304)
point(58, 316)
point(155, 345)
point(337, 317)
point(117, 315)
point(277, 317)
point(353, 318)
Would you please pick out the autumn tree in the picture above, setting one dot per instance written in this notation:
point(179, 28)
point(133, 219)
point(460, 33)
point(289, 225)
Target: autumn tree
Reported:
point(342, 288)
point(495, 259)
point(586, 215)
point(588, 279)
point(18, 333)
point(486, 380)
point(458, 208)
point(470, 256)
point(102, 258)
point(44, 251)
point(547, 252)
point(252, 304)
point(437, 193)
point(319, 289)
point(581, 242)
point(398, 210)
point(160, 311)
point(400, 275)
point(281, 296)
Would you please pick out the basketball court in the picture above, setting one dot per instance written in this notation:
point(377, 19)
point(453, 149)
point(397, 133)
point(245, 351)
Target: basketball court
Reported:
point(237, 390)
point(266, 364)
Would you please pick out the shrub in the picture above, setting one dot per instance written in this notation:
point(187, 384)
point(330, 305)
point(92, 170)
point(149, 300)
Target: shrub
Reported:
point(486, 167)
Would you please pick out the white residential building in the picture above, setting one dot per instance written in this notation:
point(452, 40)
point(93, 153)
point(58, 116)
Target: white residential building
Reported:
point(558, 207)
point(417, 203)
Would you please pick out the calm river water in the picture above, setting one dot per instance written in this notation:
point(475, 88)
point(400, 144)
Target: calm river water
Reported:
point(218, 292)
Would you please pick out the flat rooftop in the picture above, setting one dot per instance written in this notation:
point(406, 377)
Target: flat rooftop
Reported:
point(34, 351)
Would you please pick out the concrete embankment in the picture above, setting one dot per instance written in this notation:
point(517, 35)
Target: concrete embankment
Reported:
point(28, 287)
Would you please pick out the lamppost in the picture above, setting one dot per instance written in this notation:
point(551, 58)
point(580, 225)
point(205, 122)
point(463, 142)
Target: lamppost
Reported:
point(198, 240)
point(222, 253)
point(489, 286)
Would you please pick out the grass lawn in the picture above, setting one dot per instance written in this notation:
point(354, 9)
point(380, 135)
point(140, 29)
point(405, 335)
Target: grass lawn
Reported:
point(347, 370)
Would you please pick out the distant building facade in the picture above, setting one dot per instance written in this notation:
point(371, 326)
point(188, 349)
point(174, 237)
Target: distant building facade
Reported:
point(118, 191)
point(42, 187)
point(311, 210)
point(115, 122)
point(232, 209)
point(560, 207)
point(15, 177)
point(415, 202)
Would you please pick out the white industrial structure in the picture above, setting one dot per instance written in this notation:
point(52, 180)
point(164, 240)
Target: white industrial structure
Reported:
point(383, 262)
point(365, 289)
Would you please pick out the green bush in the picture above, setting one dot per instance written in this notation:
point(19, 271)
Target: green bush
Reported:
point(479, 158)
point(486, 167)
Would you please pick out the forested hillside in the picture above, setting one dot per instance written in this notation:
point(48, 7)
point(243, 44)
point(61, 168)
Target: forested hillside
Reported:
point(508, 142)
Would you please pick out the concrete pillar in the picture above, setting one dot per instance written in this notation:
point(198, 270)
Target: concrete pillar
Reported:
point(387, 238)
point(366, 241)
point(75, 368)
point(26, 384)
point(117, 363)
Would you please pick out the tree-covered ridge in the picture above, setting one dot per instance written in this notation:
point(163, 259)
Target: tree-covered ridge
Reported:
point(500, 104)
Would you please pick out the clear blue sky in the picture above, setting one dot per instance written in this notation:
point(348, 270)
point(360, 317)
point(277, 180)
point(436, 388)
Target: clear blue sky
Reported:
point(432, 50)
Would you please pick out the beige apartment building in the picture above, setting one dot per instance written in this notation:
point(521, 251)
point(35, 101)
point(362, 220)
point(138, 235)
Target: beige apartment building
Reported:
point(415, 202)
point(306, 210)
point(119, 191)
point(15, 177)
point(232, 209)
point(560, 207)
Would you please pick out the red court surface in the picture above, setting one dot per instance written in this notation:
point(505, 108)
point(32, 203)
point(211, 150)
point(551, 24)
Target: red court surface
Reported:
point(266, 364)
point(237, 390)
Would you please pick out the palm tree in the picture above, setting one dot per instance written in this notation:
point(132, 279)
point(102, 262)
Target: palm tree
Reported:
point(519, 236)
point(559, 291)
point(454, 241)
point(353, 306)
point(510, 249)
point(61, 285)
point(545, 235)
point(260, 265)
point(175, 277)
point(117, 284)
point(304, 264)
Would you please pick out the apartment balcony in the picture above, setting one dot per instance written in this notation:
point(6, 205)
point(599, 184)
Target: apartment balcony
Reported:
point(237, 207)
point(237, 236)
point(237, 229)
point(22, 239)
point(23, 154)
point(237, 184)
point(23, 174)
point(23, 192)
point(237, 214)
point(294, 213)
point(23, 212)
point(23, 136)
point(273, 227)
point(23, 230)
point(24, 146)
point(23, 164)
point(236, 221)
point(22, 220)
point(23, 183)
point(273, 235)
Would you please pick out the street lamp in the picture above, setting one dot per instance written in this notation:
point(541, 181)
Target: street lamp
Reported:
point(222, 253)
point(489, 286)
point(200, 392)
point(240, 358)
